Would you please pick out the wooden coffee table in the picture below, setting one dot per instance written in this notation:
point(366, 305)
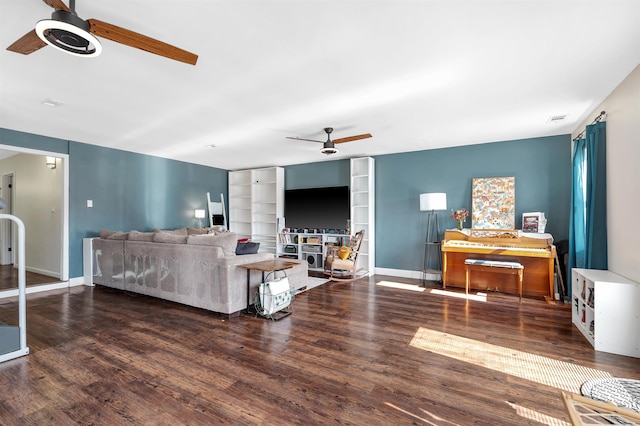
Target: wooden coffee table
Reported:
point(274, 265)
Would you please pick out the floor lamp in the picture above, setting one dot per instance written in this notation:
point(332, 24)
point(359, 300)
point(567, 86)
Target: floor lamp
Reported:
point(431, 202)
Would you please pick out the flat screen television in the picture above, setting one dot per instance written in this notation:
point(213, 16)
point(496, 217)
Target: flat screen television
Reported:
point(317, 208)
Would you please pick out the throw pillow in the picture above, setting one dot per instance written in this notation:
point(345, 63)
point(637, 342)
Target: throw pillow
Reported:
point(180, 231)
point(141, 236)
point(344, 252)
point(113, 235)
point(248, 247)
point(228, 241)
point(118, 236)
point(198, 231)
point(168, 237)
point(104, 233)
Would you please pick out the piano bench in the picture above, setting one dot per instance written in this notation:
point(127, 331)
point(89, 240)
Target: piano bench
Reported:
point(497, 265)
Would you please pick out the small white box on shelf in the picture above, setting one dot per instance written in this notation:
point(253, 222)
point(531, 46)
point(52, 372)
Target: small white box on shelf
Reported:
point(534, 222)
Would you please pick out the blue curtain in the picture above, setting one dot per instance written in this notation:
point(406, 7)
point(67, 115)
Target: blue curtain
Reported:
point(588, 224)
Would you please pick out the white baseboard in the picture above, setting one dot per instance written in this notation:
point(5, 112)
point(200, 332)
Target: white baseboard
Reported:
point(74, 282)
point(52, 274)
point(403, 273)
point(34, 289)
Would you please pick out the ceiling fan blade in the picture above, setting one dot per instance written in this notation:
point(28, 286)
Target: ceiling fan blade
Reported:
point(28, 43)
point(139, 41)
point(57, 5)
point(352, 138)
point(295, 138)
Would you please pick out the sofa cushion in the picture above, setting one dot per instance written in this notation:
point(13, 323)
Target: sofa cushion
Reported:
point(179, 231)
point(113, 235)
point(141, 236)
point(169, 237)
point(228, 241)
point(247, 247)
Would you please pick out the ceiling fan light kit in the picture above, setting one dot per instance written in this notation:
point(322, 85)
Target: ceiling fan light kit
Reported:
point(328, 150)
point(67, 32)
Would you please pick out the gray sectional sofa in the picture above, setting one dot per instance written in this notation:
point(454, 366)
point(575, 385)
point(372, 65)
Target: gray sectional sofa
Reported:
point(195, 270)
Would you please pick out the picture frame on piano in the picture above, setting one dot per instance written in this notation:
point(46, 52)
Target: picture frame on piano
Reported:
point(533, 222)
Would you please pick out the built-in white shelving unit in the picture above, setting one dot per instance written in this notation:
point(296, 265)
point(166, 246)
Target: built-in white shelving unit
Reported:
point(606, 310)
point(256, 202)
point(362, 192)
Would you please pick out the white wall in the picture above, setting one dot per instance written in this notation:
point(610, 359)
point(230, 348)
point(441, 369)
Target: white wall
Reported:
point(623, 175)
point(38, 198)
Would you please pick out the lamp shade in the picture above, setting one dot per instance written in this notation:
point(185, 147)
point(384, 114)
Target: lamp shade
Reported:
point(433, 201)
point(199, 214)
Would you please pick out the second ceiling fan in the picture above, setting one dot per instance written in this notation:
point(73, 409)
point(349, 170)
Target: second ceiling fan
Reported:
point(329, 145)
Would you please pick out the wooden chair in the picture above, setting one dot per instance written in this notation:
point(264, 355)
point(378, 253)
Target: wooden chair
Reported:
point(341, 263)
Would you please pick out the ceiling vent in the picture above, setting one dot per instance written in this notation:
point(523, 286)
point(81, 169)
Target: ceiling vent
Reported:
point(556, 118)
point(51, 103)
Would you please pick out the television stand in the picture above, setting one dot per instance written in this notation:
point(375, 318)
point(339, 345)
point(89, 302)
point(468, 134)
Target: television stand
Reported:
point(309, 247)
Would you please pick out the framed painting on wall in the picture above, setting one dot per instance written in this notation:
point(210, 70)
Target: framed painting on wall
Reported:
point(493, 203)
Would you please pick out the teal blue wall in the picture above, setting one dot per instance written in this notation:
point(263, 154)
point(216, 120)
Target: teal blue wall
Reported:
point(129, 191)
point(317, 175)
point(28, 140)
point(134, 191)
point(542, 171)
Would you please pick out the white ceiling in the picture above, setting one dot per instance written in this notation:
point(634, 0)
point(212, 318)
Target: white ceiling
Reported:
point(415, 74)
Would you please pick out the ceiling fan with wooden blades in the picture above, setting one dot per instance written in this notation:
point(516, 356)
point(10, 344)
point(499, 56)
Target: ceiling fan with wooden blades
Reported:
point(329, 145)
point(68, 32)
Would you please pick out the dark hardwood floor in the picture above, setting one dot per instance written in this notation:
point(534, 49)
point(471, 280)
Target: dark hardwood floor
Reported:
point(9, 278)
point(361, 353)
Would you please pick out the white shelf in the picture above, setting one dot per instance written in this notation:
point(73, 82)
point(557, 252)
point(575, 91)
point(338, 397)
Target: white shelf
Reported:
point(362, 195)
point(606, 310)
point(256, 201)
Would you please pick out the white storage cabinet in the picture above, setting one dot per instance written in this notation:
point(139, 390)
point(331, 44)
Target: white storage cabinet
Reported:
point(606, 310)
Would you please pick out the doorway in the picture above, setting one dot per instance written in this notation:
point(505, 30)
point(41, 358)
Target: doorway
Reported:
point(24, 181)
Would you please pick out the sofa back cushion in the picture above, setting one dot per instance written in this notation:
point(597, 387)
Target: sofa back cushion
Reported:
point(227, 241)
point(141, 236)
point(169, 237)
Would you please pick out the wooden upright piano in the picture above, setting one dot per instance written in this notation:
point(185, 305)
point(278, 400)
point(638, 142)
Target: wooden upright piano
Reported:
point(535, 252)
